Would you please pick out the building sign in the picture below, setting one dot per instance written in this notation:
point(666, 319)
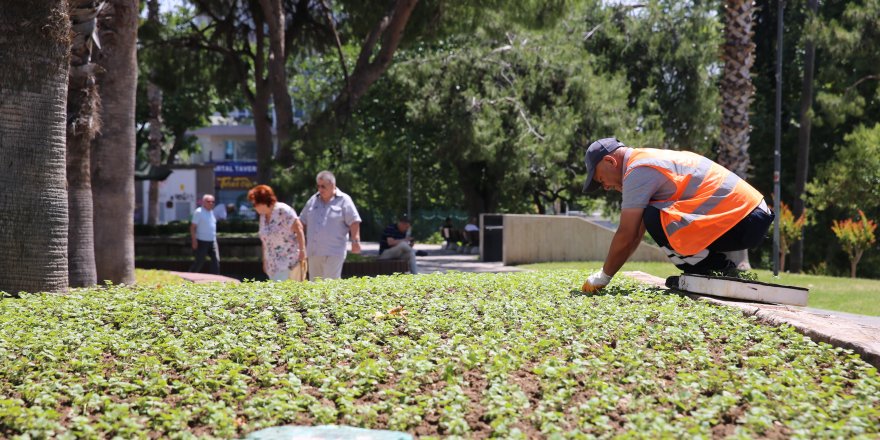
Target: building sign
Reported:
point(235, 175)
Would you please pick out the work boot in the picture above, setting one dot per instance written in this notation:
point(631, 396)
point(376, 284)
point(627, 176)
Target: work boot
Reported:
point(672, 282)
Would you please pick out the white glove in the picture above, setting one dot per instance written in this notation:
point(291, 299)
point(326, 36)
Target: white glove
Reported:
point(596, 281)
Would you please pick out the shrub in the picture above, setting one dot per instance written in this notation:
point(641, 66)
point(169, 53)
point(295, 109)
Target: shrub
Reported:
point(855, 236)
point(182, 228)
point(790, 231)
point(469, 355)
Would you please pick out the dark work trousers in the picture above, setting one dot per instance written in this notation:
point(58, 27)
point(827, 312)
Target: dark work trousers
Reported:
point(747, 234)
point(210, 249)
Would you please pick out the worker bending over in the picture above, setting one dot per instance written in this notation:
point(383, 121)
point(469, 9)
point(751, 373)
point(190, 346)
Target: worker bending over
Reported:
point(696, 210)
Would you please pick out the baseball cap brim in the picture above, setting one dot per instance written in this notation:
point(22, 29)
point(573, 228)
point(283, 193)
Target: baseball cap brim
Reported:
point(591, 185)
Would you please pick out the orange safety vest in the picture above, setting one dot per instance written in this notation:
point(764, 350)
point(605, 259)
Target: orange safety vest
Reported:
point(709, 199)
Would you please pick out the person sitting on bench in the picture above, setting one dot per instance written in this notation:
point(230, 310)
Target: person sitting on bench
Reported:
point(396, 244)
point(471, 235)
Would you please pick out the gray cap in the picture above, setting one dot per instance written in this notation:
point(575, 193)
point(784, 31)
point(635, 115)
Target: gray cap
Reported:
point(595, 153)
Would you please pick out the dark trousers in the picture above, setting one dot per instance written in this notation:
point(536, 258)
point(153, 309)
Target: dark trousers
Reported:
point(747, 234)
point(206, 248)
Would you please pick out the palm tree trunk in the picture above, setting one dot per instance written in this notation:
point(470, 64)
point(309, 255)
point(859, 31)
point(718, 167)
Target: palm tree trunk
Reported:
point(736, 86)
point(83, 122)
point(34, 50)
point(736, 96)
point(113, 159)
point(803, 154)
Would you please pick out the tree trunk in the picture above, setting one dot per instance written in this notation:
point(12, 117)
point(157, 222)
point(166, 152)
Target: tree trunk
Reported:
point(83, 123)
point(782, 261)
point(736, 92)
point(854, 263)
point(260, 106)
point(34, 50)
point(177, 145)
point(114, 149)
point(274, 13)
point(154, 151)
point(803, 154)
point(736, 86)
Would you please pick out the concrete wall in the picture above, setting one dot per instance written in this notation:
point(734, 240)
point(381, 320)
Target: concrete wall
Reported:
point(540, 238)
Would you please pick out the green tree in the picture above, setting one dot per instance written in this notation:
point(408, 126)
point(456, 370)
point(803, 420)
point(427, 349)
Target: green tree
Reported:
point(668, 51)
point(851, 179)
point(804, 131)
point(511, 118)
point(847, 39)
point(855, 236)
point(192, 84)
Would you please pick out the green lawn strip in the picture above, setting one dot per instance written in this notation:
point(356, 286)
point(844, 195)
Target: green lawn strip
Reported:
point(509, 355)
point(860, 295)
point(152, 277)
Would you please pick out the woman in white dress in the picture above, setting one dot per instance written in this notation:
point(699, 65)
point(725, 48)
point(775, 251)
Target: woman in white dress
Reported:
point(281, 233)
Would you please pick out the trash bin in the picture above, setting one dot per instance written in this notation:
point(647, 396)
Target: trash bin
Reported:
point(493, 237)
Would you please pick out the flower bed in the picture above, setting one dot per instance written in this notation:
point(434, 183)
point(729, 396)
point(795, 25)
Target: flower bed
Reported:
point(514, 355)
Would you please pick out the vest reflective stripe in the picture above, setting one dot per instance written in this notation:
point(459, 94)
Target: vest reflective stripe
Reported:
point(708, 201)
point(709, 204)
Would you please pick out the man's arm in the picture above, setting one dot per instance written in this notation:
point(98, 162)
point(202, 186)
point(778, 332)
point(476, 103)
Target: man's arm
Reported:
point(395, 241)
point(192, 232)
point(626, 240)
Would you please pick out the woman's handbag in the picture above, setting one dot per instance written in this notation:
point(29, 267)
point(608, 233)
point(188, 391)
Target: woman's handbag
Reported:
point(300, 271)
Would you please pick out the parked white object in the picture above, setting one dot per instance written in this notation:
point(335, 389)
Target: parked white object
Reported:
point(743, 289)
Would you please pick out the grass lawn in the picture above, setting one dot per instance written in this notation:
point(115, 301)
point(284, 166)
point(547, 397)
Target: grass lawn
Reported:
point(151, 277)
point(860, 296)
point(518, 356)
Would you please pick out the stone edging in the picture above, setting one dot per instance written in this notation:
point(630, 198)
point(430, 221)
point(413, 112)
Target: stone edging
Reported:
point(838, 331)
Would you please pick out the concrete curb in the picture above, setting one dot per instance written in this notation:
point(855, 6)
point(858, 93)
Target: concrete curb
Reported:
point(837, 330)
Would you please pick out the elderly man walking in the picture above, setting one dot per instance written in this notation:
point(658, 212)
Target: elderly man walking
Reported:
point(696, 210)
point(328, 217)
point(203, 229)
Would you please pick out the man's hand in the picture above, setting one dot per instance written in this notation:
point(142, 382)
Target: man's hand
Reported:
point(596, 282)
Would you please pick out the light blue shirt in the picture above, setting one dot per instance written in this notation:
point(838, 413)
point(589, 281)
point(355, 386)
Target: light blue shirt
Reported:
point(206, 224)
point(327, 224)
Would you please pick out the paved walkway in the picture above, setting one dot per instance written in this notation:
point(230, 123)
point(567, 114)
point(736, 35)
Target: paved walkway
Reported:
point(440, 260)
point(201, 278)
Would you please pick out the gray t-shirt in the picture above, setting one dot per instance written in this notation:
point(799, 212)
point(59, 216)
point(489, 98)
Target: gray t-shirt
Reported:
point(644, 185)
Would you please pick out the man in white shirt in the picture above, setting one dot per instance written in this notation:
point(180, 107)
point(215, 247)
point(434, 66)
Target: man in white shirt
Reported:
point(203, 230)
point(328, 218)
